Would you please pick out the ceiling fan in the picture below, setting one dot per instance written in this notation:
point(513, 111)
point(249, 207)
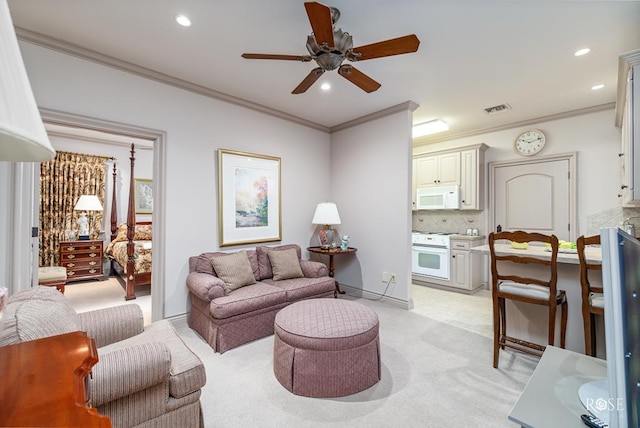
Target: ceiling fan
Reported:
point(330, 46)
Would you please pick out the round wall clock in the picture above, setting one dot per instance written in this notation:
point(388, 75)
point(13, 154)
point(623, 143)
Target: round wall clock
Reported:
point(529, 142)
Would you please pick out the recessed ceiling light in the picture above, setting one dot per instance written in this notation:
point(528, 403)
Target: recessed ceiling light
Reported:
point(431, 127)
point(325, 86)
point(183, 20)
point(582, 51)
point(598, 86)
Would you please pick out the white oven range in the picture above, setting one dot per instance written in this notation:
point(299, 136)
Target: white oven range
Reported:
point(430, 254)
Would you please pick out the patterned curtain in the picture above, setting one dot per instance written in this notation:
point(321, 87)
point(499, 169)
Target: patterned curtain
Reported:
point(62, 181)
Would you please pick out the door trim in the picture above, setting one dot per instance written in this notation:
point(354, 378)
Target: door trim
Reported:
point(572, 157)
point(159, 139)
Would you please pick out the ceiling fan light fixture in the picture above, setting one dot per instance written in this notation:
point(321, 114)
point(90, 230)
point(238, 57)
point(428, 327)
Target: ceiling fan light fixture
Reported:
point(430, 127)
point(183, 20)
point(325, 86)
point(582, 51)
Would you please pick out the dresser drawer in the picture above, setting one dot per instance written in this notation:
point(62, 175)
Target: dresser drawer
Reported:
point(74, 273)
point(81, 255)
point(73, 247)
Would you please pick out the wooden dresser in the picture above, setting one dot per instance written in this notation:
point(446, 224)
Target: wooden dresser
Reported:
point(44, 383)
point(83, 259)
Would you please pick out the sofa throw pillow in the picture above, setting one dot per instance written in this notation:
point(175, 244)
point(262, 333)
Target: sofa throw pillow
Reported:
point(285, 264)
point(234, 269)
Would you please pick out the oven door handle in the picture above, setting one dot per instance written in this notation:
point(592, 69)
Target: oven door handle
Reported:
point(418, 247)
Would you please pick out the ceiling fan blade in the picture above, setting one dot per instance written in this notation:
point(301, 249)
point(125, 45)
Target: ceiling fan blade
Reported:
point(303, 58)
point(397, 46)
point(308, 81)
point(358, 78)
point(321, 23)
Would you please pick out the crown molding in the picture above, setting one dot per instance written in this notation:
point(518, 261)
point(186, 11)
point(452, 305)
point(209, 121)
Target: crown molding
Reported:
point(438, 139)
point(96, 57)
point(406, 106)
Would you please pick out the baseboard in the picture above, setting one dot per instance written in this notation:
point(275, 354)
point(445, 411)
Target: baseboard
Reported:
point(178, 319)
point(364, 294)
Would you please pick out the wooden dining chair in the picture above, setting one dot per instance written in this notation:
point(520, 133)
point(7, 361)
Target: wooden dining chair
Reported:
point(592, 296)
point(539, 289)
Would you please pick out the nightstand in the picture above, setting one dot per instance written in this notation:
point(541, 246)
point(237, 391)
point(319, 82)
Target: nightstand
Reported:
point(82, 259)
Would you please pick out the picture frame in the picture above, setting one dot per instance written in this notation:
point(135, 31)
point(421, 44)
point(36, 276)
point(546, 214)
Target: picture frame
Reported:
point(143, 195)
point(249, 205)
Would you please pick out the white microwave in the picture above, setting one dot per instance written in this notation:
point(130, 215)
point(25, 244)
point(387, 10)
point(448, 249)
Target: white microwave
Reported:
point(438, 198)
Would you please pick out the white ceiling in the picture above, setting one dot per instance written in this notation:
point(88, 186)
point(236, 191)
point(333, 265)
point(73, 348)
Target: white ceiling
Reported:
point(473, 54)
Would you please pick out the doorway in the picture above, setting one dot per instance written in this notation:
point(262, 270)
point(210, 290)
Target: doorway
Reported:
point(535, 195)
point(90, 130)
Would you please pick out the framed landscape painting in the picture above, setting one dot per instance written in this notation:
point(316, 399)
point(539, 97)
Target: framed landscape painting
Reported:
point(248, 198)
point(143, 196)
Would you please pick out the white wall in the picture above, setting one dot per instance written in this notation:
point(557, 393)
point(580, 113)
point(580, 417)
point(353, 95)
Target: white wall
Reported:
point(595, 138)
point(370, 183)
point(196, 127)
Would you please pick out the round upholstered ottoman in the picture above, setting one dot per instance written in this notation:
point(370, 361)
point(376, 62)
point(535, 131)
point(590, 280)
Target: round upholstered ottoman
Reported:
point(326, 348)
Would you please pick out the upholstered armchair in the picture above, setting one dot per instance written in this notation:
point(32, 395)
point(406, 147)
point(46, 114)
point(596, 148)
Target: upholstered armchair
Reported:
point(144, 376)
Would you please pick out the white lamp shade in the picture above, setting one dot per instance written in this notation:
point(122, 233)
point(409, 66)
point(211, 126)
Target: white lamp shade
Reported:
point(88, 203)
point(326, 213)
point(22, 134)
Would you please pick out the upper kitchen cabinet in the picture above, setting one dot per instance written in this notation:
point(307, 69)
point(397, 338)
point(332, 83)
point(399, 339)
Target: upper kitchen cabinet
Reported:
point(628, 118)
point(463, 166)
point(438, 170)
point(472, 178)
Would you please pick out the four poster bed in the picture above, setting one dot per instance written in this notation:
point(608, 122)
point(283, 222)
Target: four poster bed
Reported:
point(130, 247)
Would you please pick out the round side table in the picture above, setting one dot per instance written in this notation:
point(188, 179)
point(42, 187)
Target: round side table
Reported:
point(332, 252)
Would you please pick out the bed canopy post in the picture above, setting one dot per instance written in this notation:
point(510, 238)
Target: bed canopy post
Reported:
point(114, 206)
point(131, 226)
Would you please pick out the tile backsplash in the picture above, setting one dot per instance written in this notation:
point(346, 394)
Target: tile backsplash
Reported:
point(459, 221)
point(612, 217)
point(448, 221)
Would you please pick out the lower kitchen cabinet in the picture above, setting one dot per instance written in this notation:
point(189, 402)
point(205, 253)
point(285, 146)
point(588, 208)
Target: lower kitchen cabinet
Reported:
point(466, 268)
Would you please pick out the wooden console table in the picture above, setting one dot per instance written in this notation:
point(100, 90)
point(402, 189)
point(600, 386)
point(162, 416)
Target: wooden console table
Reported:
point(332, 252)
point(43, 383)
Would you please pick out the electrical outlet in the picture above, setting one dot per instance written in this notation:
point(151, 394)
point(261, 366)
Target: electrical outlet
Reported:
point(388, 277)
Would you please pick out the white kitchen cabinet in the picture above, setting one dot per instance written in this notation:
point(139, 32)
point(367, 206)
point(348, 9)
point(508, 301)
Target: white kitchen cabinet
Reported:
point(438, 170)
point(414, 194)
point(463, 166)
point(630, 153)
point(466, 267)
point(472, 178)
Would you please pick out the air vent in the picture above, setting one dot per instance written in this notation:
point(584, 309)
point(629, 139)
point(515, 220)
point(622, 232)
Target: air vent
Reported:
point(497, 109)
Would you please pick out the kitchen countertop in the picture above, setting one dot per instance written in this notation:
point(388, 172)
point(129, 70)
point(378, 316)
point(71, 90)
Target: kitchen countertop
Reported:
point(593, 254)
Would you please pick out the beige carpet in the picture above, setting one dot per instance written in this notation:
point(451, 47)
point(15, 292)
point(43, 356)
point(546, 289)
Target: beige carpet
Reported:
point(436, 369)
point(89, 295)
point(434, 374)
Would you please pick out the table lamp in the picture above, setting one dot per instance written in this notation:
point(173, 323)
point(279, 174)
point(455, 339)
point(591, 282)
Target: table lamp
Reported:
point(86, 203)
point(22, 134)
point(327, 215)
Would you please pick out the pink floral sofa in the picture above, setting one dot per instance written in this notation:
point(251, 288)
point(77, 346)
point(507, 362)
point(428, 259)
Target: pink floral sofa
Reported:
point(235, 296)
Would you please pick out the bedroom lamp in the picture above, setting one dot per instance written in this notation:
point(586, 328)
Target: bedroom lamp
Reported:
point(22, 134)
point(86, 203)
point(327, 215)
